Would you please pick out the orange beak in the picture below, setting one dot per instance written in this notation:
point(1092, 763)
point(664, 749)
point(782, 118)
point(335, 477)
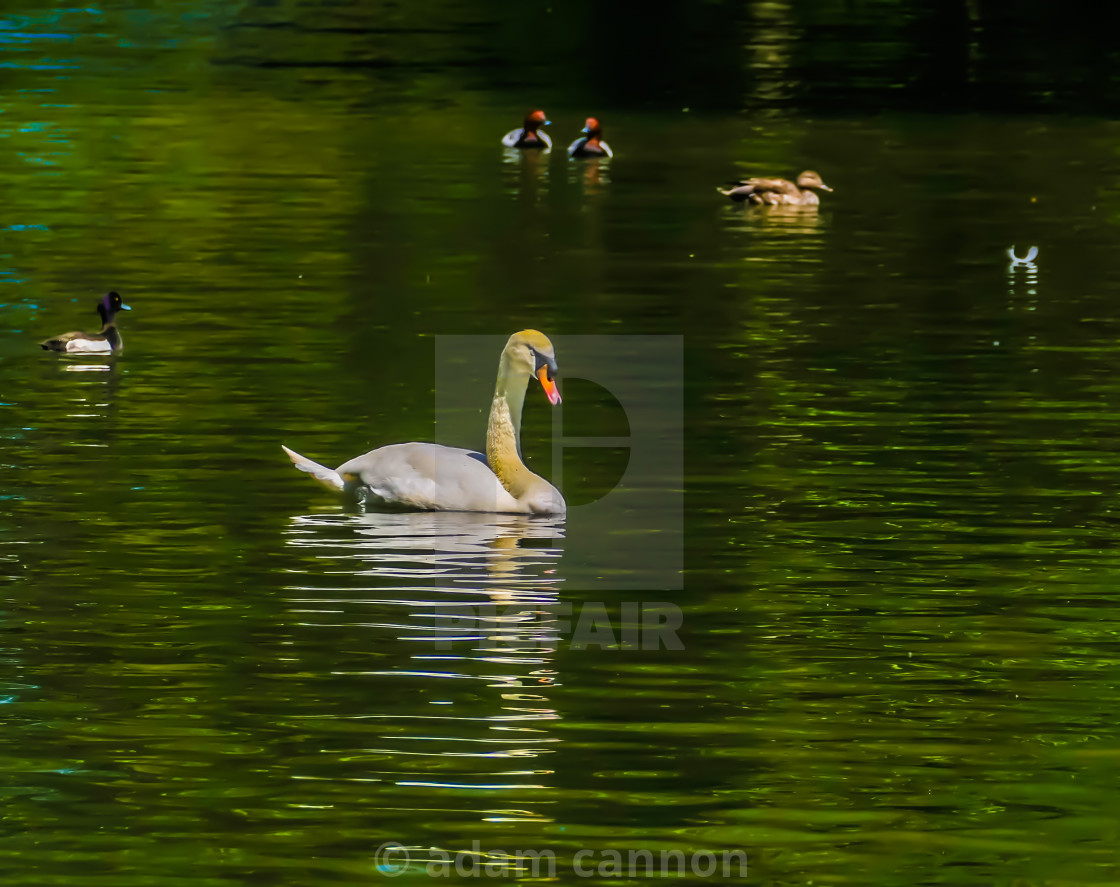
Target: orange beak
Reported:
point(549, 386)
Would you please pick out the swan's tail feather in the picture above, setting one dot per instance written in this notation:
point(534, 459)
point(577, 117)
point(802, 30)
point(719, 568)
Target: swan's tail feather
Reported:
point(328, 477)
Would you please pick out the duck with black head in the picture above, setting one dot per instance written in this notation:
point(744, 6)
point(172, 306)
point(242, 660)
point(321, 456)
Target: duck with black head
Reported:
point(529, 135)
point(590, 143)
point(107, 341)
point(778, 192)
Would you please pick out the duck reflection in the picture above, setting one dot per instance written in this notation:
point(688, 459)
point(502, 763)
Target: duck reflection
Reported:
point(527, 171)
point(92, 387)
point(457, 615)
point(780, 219)
point(771, 239)
point(593, 174)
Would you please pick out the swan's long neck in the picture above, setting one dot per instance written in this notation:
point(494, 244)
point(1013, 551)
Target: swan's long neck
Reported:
point(503, 434)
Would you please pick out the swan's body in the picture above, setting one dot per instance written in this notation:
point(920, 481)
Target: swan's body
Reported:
point(779, 192)
point(105, 342)
point(432, 477)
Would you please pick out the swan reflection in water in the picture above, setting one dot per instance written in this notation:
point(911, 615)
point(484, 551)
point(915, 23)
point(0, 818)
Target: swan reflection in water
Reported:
point(448, 621)
point(448, 546)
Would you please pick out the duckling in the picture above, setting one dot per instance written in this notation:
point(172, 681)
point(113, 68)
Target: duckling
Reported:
point(529, 135)
point(105, 342)
point(591, 143)
point(778, 192)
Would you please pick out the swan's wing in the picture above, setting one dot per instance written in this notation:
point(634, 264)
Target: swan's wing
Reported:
point(429, 477)
point(511, 138)
point(606, 148)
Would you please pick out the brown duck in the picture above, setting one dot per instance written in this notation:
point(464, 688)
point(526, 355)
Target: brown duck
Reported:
point(779, 192)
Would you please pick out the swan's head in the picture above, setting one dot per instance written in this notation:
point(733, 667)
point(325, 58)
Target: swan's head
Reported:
point(531, 353)
point(810, 179)
point(592, 127)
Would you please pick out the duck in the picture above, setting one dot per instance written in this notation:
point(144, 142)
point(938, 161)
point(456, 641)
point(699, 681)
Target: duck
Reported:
point(591, 143)
point(779, 192)
point(529, 135)
point(105, 342)
point(432, 477)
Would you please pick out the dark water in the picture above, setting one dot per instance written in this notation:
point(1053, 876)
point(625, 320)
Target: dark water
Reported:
point(901, 458)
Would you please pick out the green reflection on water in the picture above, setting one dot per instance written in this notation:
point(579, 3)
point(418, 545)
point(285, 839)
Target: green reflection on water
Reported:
point(900, 640)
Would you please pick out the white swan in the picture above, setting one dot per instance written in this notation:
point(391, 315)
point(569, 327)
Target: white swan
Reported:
point(431, 477)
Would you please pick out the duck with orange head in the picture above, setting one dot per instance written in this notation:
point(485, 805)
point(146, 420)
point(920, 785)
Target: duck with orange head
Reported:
point(529, 135)
point(590, 143)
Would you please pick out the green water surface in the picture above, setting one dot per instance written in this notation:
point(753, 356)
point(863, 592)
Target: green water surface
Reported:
point(901, 636)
